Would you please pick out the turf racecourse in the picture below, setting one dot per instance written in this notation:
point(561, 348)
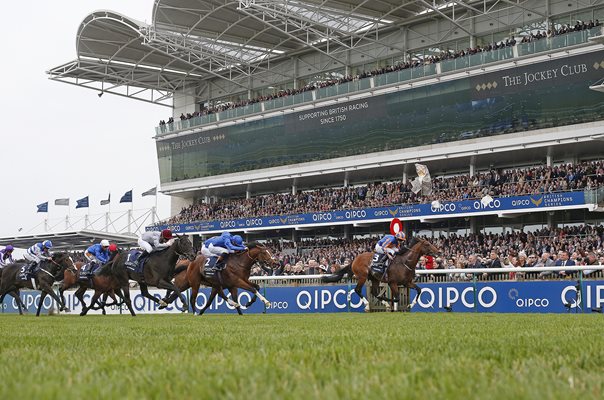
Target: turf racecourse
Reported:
point(351, 356)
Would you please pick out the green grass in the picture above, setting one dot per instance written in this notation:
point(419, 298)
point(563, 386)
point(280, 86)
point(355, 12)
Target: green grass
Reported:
point(352, 356)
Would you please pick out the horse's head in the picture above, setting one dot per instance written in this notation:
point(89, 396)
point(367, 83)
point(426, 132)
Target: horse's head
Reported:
point(428, 248)
point(184, 247)
point(61, 262)
point(262, 254)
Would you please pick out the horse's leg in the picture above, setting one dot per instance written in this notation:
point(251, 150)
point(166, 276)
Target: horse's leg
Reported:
point(358, 289)
point(163, 284)
point(42, 297)
point(126, 292)
point(210, 300)
point(17, 296)
point(79, 294)
point(395, 296)
point(233, 298)
point(412, 285)
point(169, 298)
point(145, 292)
point(252, 287)
point(95, 298)
point(103, 302)
point(45, 287)
point(252, 301)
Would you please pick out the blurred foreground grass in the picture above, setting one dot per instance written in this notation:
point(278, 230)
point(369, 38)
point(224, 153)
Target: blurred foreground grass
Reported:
point(352, 356)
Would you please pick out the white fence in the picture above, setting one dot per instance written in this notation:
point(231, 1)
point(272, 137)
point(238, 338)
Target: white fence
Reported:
point(494, 274)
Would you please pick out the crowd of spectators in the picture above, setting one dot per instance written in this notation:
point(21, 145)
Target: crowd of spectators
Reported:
point(500, 183)
point(582, 245)
point(415, 62)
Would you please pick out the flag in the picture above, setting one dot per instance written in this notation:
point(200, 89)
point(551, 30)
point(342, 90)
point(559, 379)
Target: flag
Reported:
point(42, 207)
point(423, 182)
point(82, 203)
point(61, 202)
point(127, 197)
point(151, 192)
point(105, 202)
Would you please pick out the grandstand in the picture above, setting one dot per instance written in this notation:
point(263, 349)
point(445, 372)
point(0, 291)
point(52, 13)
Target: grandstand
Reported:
point(291, 100)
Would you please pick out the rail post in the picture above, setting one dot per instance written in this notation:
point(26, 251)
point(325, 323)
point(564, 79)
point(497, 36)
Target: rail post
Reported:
point(474, 292)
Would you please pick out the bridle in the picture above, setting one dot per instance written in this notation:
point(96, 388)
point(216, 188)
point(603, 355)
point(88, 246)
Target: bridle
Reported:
point(177, 240)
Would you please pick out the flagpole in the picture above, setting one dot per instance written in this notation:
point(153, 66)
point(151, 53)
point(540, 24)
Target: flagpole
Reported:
point(155, 209)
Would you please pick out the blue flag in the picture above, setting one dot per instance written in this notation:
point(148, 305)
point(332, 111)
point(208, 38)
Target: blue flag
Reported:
point(82, 203)
point(127, 197)
point(42, 207)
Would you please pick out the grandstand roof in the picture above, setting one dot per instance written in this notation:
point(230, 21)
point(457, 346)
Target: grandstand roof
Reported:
point(70, 240)
point(191, 41)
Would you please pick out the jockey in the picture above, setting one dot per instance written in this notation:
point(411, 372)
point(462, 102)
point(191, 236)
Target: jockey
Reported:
point(390, 245)
point(6, 256)
point(98, 254)
point(38, 252)
point(113, 251)
point(221, 246)
point(153, 241)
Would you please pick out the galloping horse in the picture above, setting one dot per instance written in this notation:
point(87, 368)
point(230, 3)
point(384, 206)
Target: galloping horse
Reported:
point(99, 282)
point(112, 277)
point(49, 272)
point(159, 269)
point(400, 272)
point(235, 275)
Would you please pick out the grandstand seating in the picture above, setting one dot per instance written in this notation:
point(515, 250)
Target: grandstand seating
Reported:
point(541, 179)
point(518, 249)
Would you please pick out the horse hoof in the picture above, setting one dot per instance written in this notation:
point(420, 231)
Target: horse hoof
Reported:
point(82, 314)
point(267, 304)
point(366, 309)
point(163, 304)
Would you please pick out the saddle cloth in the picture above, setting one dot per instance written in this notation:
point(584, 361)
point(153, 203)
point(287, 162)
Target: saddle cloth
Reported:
point(211, 267)
point(87, 271)
point(132, 261)
point(378, 263)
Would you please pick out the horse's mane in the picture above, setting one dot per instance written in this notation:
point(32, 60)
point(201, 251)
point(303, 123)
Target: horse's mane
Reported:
point(60, 254)
point(106, 268)
point(413, 242)
point(253, 245)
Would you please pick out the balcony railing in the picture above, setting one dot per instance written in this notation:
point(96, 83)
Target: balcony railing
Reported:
point(469, 61)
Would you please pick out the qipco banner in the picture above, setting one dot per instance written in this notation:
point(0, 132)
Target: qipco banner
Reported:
point(512, 297)
point(501, 297)
point(544, 202)
point(304, 299)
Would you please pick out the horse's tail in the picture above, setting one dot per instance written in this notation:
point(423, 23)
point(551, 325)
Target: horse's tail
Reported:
point(337, 277)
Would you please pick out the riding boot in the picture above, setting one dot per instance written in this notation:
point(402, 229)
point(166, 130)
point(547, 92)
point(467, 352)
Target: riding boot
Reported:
point(142, 257)
point(220, 262)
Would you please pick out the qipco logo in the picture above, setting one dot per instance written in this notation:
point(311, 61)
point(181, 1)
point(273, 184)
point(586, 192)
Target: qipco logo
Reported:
point(491, 205)
point(446, 207)
point(321, 217)
point(227, 224)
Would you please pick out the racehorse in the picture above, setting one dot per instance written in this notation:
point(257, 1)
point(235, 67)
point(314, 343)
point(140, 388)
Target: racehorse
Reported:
point(401, 272)
point(99, 282)
point(236, 275)
point(158, 270)
point(50, 271)
point(112, 277)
